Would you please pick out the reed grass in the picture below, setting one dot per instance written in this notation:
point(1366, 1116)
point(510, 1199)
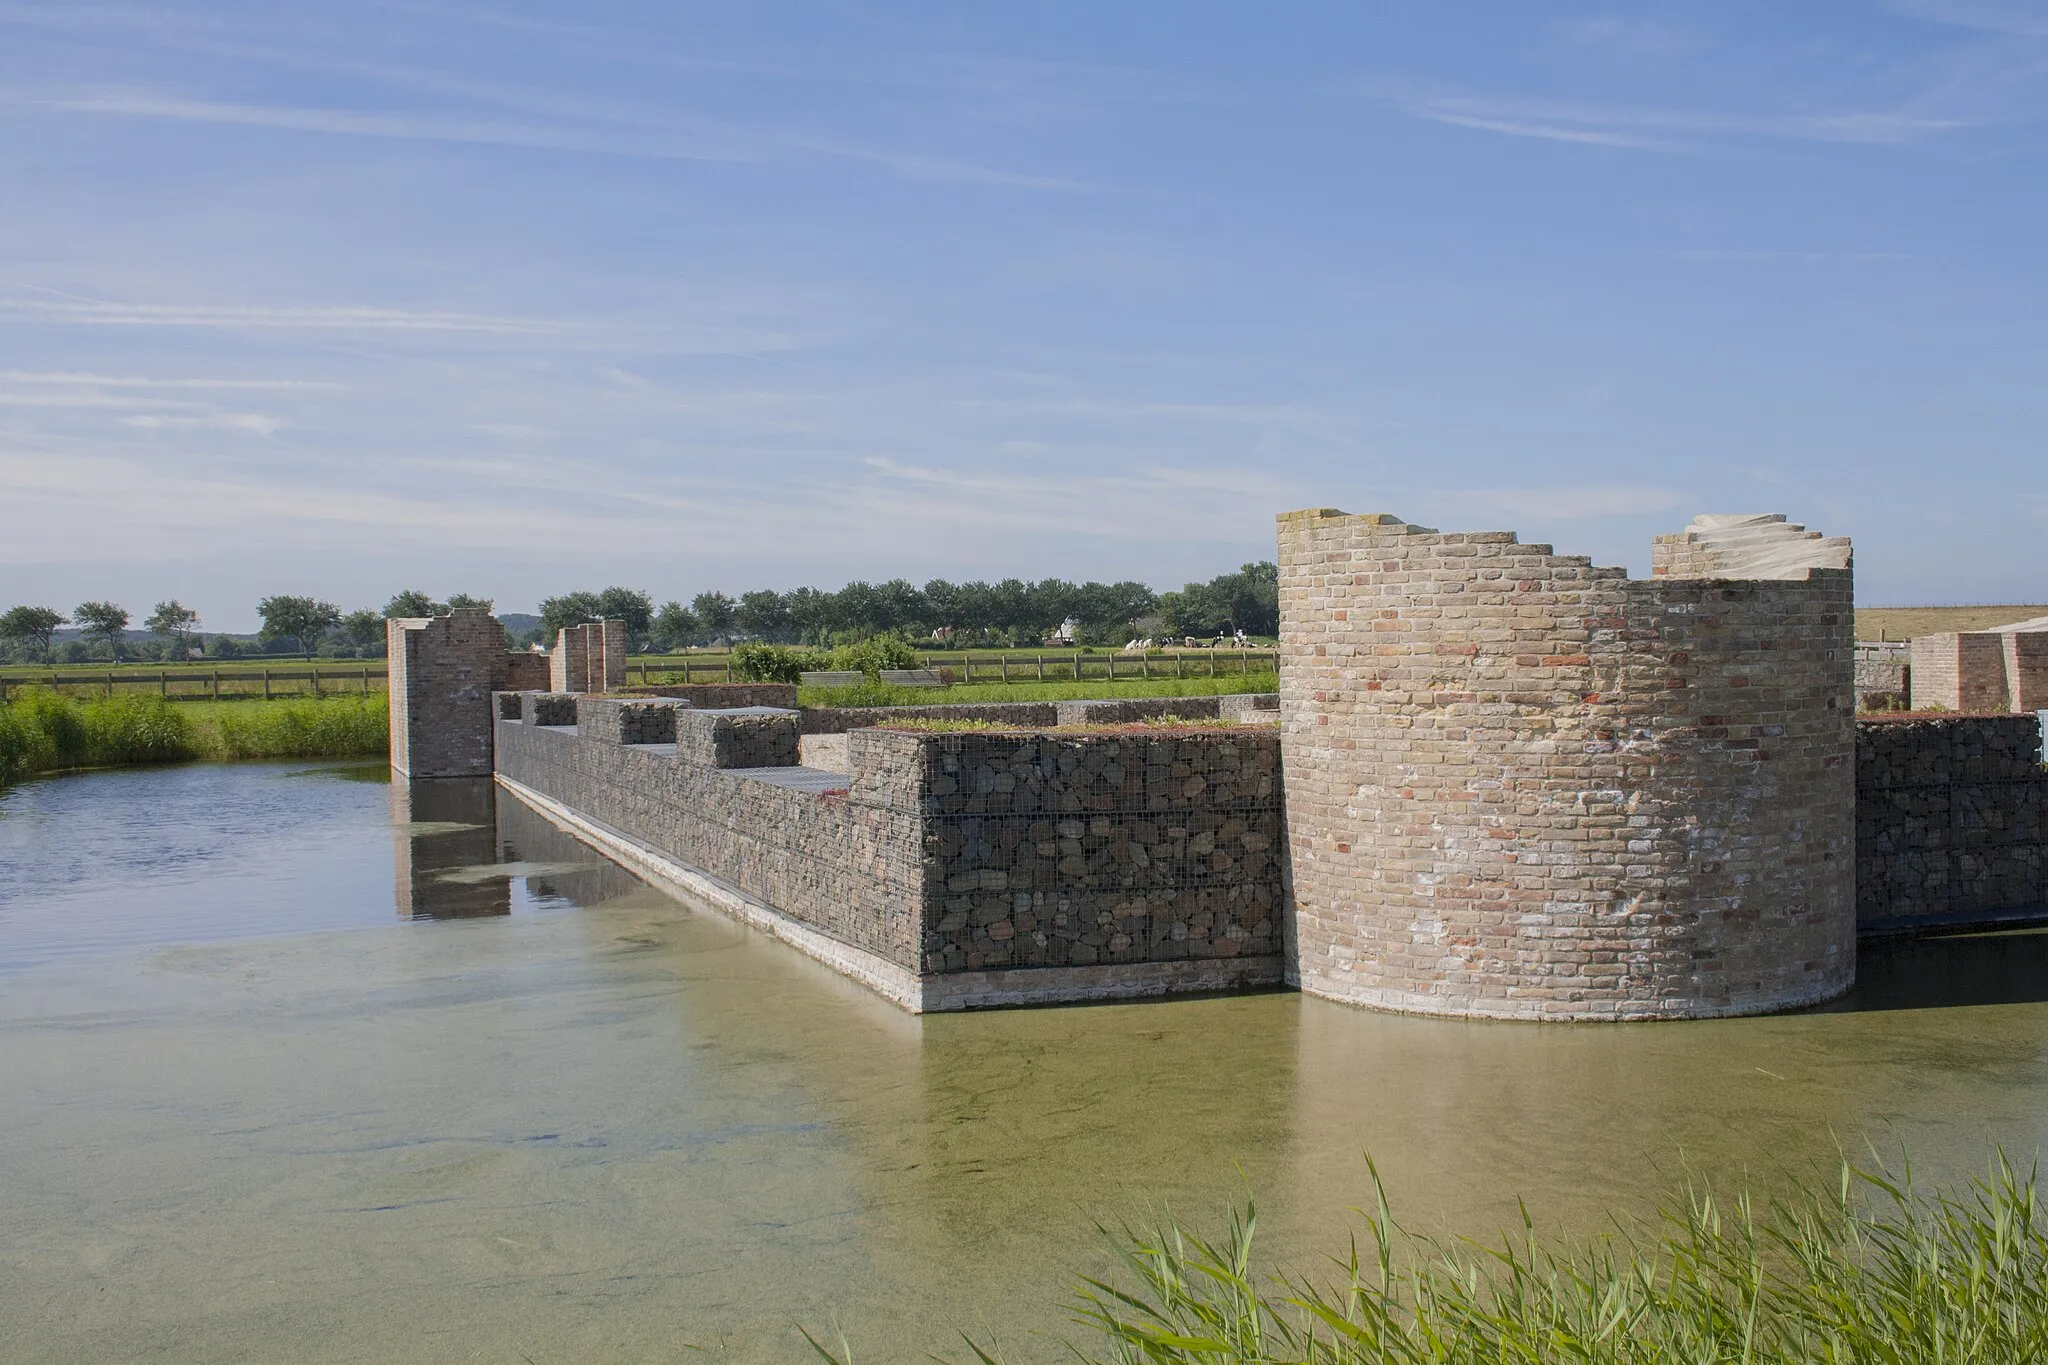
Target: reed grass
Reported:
point(1866, 1270)
point(44, 732)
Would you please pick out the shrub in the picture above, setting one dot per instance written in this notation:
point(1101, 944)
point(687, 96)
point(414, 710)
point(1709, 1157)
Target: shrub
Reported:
point(755, 662)
point(872, 655)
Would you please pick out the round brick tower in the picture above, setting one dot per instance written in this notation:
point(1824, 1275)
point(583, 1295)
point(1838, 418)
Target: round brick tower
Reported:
point(1519, 786)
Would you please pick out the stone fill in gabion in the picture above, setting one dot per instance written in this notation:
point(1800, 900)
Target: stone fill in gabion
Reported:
point(1951, 820)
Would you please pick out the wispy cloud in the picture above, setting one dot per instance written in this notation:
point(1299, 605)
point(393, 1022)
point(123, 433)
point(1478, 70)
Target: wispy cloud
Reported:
point(2023, 18)
point(700, 142)
point(1653, 129)
point(1562, 504)
point(242, 316)
point(74, 379)
point(1630, 39)
point(255, 423)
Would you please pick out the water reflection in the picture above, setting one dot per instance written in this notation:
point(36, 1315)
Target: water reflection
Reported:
point(1949, 973)
point(642, 1126)
point(445, 825)
point(462, 849)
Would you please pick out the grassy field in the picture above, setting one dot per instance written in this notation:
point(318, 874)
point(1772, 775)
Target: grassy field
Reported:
point(1903, 623)
point(880, 694)
point(42, 732)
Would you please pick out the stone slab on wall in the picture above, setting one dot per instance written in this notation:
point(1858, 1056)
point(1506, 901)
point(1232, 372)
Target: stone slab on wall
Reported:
point(752, 738)
point(1519, 785)
point(826, 752)
point(1951, 821)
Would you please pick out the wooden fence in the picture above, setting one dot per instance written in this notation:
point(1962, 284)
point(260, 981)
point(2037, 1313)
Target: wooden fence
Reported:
point(212, 684)
point(1009, 667)
point(236, 683)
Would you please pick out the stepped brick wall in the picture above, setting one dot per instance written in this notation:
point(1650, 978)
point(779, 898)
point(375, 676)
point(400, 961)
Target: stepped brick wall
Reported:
point(1519, 785)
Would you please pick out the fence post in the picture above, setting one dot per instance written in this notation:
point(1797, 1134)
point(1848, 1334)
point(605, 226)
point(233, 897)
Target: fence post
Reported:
point(1212, 663)
point(316, 682)
point(163, 683)
point(266, 684)
point(1004, 664)
point(110, 682)
point(216, 684)
point(728, 668)
point(1041, 668)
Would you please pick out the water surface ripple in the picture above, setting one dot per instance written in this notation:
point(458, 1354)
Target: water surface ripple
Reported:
point(300, 1067)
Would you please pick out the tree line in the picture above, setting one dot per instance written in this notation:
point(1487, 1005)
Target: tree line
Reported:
point(1010, 612)
point(293, 624)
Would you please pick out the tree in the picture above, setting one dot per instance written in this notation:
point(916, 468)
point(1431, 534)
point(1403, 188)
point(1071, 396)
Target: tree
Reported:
point(714, 612)
point(633, 607)
point(102, 623)
point(570, 609)
point(302, 620)
point(410, 605)
point(173, 621)
point(763, 615)
point(31, 624)
point(462, 601)
point(365, 630)
point(673, 625)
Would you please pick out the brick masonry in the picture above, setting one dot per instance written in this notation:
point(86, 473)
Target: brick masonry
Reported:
point(1951, 821)
point(588, 658)
point(1522, 786)
point(442, 672)
point(1962, 672)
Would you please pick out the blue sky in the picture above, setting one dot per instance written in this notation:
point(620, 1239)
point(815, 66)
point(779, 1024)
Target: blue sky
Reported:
point(512, 299)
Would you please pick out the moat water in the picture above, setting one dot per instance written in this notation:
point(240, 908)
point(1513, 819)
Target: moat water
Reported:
point(291, 1070)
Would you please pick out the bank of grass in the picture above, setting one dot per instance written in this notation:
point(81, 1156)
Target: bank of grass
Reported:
point(41, 731)
point(1865, 1270)
point(882, 694)
point(943, 726)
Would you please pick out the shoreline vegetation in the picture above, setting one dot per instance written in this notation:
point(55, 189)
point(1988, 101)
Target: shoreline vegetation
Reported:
point(46, 732)
point(1862, 1270)
point(42, 732)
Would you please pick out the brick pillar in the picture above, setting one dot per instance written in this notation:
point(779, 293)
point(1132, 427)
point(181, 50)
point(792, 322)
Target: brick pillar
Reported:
point(442, 671)
point(1964, 672)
